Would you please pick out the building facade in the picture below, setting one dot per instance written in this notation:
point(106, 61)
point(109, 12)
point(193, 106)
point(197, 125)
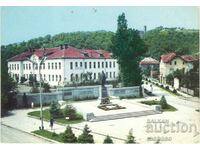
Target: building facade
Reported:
point(63, 64)
point(171, 62)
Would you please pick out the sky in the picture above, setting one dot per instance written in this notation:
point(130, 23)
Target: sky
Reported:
point(23, 23)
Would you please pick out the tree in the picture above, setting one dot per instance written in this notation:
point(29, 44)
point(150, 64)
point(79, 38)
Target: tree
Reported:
point(130, 138)
point(8, 90)
point(25, 100)
point(163, 102)
point(108, 140)
point(127, 48)
point(70, 112)
point(46, 87)
point(55, 111)
point(68, 136)
point(86, 137)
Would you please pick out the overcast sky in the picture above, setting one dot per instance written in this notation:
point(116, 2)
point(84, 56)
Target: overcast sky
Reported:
point(23, 23)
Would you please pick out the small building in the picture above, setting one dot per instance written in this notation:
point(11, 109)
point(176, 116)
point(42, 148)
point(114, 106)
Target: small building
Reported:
point(171, 62)
point(149, 67)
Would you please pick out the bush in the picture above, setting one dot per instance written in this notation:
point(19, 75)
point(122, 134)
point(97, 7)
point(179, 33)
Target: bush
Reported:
point(35, 90)
point(167, 87)
point(174, 91)
point(55, 111)
point(86, 137)
point(163, 102)
point(70, 111)
point(130, 138)
point(68, 136)
point(108, 140)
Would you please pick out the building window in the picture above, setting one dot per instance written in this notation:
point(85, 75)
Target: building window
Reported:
point(113, 64)
point(170, 63)
point(43, 65)
point(174, 62)
point(81, 64)
point(90, 65)
point(113, 74)
point(48, 65)
point(71, 77)
point(59, 65)
point(17, 66)
point(52, 66)
point(44, 77)
point(106, 64)
point(85, 65)
point(94, 76)
point(110, 64)
point(102, 64)
point(59, 77)
point(94, 64)
point(183, 62)
point(76, 77)
point(29, 66)
point(49, 77)
point(76, 64)
point(36, 66)
point(55, 65)
point(10, 66)
point(56, 77)
point(71, 65)
point(107, 74)
point(24, 66)
point(98, 64)
point(52, 77)
point(110, 74)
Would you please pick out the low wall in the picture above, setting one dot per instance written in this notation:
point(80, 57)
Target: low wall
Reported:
point(77, 93)
point(187, 91)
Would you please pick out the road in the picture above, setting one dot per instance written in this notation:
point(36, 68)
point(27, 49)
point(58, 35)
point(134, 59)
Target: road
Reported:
point(11, 135)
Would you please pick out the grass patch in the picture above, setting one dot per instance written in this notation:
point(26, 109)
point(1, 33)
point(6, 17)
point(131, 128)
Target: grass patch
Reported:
point(154, 102)
point(46, 116)
point(49, 135)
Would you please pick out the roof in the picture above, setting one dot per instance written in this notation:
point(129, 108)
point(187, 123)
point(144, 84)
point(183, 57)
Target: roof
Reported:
point(170, 56)
point(149, 61)
point(69, 52)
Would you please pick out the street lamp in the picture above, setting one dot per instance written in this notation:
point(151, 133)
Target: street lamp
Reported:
point(41, 107)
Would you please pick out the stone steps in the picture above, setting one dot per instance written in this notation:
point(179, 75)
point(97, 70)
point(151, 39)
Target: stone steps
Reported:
point(124, 115)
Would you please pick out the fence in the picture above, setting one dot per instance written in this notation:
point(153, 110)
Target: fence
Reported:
point(77, 93)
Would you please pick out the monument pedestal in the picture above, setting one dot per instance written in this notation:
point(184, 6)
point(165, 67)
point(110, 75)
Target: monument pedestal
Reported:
point(104, 96)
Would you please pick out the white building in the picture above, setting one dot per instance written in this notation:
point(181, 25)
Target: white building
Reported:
point(63, 64)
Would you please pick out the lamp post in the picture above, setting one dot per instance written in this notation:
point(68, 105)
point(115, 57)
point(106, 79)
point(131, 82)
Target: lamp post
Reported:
point(41, 107)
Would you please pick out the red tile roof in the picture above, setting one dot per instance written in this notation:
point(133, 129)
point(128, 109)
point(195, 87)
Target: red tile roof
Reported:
point(170, 56)
point(69, 52)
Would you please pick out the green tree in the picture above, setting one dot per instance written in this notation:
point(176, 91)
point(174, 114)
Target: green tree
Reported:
point(8, 88)
point(46, 87)
point(163, 102)
point(128, 48)
point(130, 138)
point(86, 137)
point(55, 111)
point(108, 140)
point(68, 136)
point(70, 111)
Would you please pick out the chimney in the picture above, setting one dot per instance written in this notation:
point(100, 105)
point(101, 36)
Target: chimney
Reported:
point(61, 47)
point(66, 46)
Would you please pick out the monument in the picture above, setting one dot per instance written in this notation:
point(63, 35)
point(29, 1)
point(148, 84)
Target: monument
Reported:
point(104, 91)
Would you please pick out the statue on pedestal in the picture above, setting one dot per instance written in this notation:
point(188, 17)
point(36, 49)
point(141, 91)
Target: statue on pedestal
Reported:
point(104, 92)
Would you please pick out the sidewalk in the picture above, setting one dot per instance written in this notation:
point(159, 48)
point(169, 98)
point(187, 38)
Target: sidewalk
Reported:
point(20, 121)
